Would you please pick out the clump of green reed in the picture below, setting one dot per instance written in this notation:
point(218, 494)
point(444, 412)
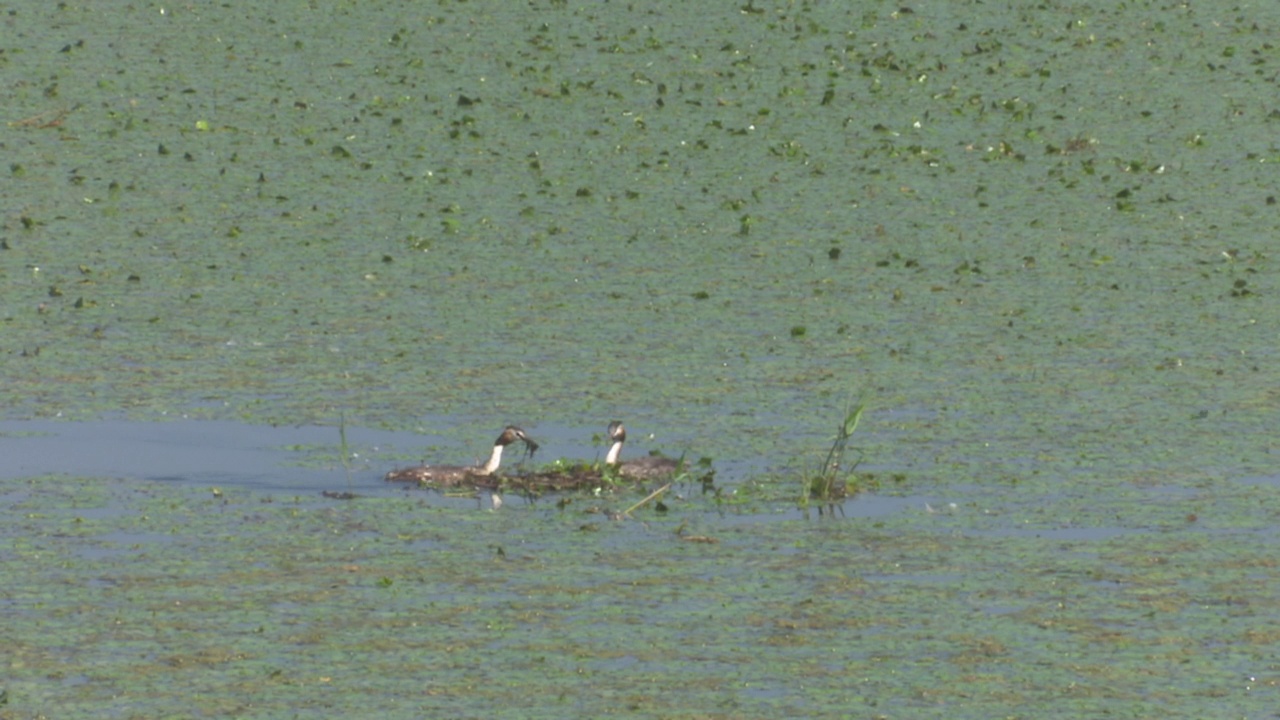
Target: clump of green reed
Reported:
point(831, 482)
point(343, 449)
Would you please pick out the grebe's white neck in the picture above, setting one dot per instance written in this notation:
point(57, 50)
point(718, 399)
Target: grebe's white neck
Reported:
point(495, 459)
point(611, 458)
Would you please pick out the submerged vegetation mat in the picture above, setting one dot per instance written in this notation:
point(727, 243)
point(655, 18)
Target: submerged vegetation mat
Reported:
point(140, 600)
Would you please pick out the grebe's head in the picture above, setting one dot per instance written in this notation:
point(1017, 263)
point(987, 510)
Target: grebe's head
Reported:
point(617, 433)
point(512, 434)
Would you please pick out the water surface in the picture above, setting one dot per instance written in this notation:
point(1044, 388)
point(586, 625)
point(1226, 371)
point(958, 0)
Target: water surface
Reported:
point(1034, 240)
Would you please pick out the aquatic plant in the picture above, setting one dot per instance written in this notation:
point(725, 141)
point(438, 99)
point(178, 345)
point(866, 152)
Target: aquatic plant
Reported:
point(343, 450)
point(831, 482)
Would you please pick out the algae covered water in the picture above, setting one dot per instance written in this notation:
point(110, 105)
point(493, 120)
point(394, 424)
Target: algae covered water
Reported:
point(141, 600)
point(1035, 241)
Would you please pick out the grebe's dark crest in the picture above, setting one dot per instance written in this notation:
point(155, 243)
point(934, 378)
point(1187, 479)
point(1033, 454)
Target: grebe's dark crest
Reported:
point(651, 466)
point(455, 474)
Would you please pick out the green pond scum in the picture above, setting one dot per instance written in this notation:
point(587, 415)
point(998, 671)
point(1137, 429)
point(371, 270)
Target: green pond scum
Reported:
point(132, 599)
point(1035, 239)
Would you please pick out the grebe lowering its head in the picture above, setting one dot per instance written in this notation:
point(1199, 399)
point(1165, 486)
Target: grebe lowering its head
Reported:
point(455, 474)
point(652, 466)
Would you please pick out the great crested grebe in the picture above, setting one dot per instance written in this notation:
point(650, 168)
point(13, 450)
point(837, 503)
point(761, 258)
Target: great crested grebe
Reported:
point(455, 474)
point(651, 466)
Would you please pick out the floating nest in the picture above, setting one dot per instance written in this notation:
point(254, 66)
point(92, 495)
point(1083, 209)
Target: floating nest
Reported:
point(565, 478)
point(558, 477)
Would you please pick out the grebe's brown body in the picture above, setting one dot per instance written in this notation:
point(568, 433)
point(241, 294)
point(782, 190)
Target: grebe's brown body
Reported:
point(448, 475)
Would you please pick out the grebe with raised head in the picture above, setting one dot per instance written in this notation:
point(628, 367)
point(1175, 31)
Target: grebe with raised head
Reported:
point(456, 474)
point(651, 466)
